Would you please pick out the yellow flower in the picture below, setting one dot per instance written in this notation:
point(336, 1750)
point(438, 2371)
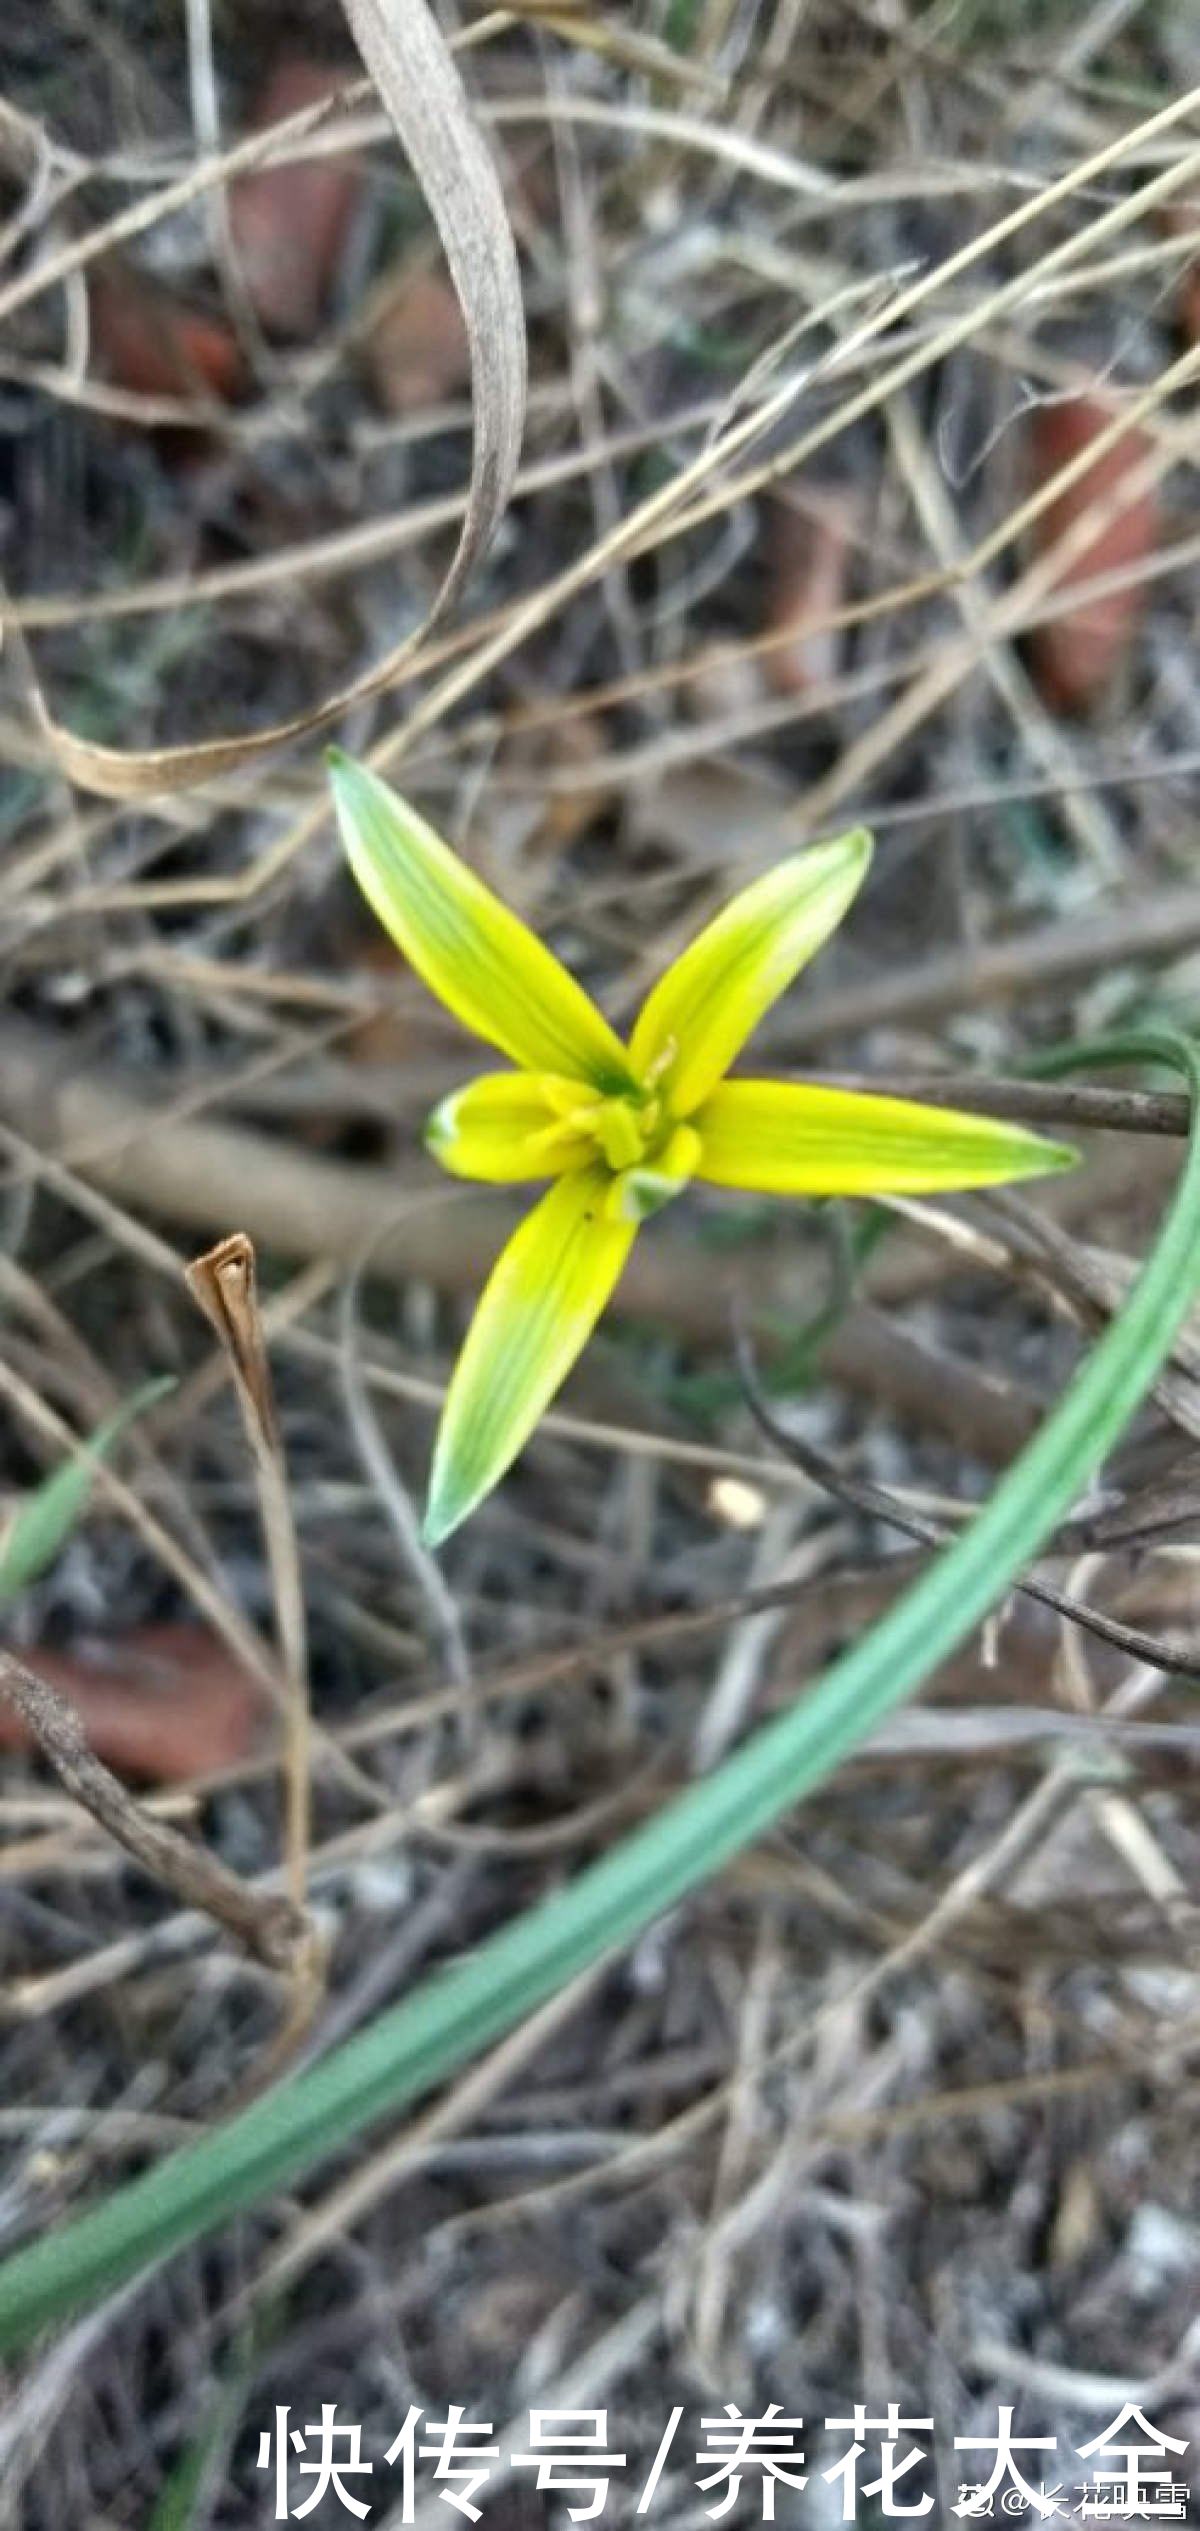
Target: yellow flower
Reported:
point(621, 1129)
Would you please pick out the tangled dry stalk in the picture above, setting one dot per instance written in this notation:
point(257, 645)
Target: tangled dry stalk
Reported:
point(902, 2109)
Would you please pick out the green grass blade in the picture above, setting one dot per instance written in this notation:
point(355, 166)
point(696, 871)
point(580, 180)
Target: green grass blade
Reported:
point(182, 2496)
point(42, 1526)
point(456, 2013)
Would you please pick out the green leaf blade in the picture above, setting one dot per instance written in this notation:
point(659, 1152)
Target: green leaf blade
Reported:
point(41, 1527)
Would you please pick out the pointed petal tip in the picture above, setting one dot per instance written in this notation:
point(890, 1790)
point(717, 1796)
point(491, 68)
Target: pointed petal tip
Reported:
point(451, 1499)
point(1034, 1155)
point(350, 783)
point(853, 850)
point(437, 1132)
point(839, 858)
point(1049, 1159)
point(440, 1522)
point(847, 859)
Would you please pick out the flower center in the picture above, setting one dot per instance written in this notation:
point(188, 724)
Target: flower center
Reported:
point(634, 1133)
point(627, 1128)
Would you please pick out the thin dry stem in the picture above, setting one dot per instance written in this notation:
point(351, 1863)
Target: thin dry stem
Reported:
point(224, 1283)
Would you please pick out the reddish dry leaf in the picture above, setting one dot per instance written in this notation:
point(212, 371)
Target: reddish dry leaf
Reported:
point(808, 562)
point(151, 342)
point(1182, 219)
point(289, 223)
point(167, 1703)
point(1189, 302)
point(417, 349)
point(1075, 657)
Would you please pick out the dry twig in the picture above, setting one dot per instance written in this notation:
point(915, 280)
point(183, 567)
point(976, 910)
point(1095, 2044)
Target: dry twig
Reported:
point(274, 1930)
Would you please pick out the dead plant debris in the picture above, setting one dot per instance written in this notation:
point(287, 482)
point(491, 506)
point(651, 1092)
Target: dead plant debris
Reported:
point(820, 302)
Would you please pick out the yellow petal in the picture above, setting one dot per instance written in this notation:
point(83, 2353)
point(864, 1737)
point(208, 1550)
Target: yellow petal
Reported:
point(703, 1009)
point(546, 1292)
point(787, 1138)
point(507, 1126)
point(487, 967)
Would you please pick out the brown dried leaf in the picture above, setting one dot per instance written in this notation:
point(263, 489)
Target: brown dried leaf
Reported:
point(417, 350)
point(148, 340)
point(166, 1703)
point(809, 565)
point(1075, 656)
point(289, 223)
point(1182, 219)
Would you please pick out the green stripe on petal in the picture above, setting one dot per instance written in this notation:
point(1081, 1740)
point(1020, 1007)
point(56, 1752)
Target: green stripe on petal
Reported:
point(486, 965)
point(505, 1127)
point(790, 1138)
point(544, 1296)
point(701, 1012)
